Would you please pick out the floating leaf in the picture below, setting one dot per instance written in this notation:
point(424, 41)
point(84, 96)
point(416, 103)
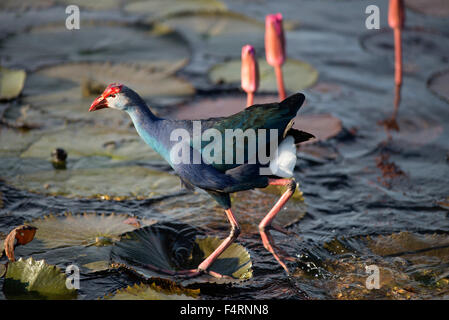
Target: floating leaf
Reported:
point(2, 270)
point(323, 126)
point(93, 5)
point(29, 278)
point(297, 75)
point(18, 236)
point(439, 84)
point(109, 142)
point(152, 292)
point(216, 107)
point(22, 5)
point(162, 8)
point(135, 183)
point(97, 266)
point(161, 249)
point(219, 33)
point(93, 42)
point(11, 83)
point(81, 229)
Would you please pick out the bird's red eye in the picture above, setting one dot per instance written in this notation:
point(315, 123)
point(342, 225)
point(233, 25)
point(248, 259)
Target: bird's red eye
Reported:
point(112, 95)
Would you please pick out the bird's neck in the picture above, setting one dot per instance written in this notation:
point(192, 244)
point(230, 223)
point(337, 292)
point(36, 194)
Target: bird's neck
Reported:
point(148, 127)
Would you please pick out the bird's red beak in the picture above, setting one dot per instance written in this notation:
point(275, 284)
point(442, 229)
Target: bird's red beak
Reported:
point(99, 103)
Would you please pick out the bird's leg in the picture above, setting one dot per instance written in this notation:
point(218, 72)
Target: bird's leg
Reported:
point(265, 224)
point(235, 231)
point(204, 266)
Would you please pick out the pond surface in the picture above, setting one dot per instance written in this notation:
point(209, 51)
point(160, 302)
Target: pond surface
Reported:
point(371, 197)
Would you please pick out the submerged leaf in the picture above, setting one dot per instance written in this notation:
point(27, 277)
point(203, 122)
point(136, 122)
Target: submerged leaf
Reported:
point(297, 75)
point(94, 42)
point(153, 292)
point(323, 126)
point(135, 183)
point(80, 229)
point(18, 236)
point(162, 8)
point(160, 250)
point(28, 278)
point(218, 33)
point(11, 83)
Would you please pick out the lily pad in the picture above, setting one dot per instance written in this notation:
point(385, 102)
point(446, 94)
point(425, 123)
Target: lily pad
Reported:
point(80, 229)
point(29, 278)
point(2, 269)
point(152, 292)
point(218, 33)
point(11, 83)
point(298, 75)
point(93, 42)
point(162, 8)
point(93, 141)
point(97, 266)
point(439, 85)
point(323, 126)
point(216, 107)
point(93, 5)
point(23, 5)
point(153, 80)
point(172, 247)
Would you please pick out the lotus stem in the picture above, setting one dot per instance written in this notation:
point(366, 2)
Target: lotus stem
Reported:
point(280, 82)
point(249, 99)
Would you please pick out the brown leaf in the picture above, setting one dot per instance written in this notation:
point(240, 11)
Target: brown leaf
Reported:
point(23, 234)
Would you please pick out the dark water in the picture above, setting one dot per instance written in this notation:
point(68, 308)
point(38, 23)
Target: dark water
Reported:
point(369, 198)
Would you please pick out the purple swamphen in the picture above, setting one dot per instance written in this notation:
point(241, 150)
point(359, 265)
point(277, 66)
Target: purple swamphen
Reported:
point(220, 178)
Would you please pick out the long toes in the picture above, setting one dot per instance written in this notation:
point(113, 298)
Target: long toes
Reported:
point(188, 273)
point(218, 275)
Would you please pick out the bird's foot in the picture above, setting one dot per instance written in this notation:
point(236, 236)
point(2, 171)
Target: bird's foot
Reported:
point(197, 272)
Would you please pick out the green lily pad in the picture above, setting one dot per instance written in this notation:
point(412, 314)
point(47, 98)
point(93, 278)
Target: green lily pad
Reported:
point(218, 33)
point(23, 5)
point(14, 142)
point(93, 5)
point(94, 42)
point(162, 8)
point(29, 278)
point(297, 75)
point(11, 83)
point(2, 269)
point(97, 266)
point(173, 247)
point(135, 183)
point(81, 229)
point(152, 292)
point(93, 141)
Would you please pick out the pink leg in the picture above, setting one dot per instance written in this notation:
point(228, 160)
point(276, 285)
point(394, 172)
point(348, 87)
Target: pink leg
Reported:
point(266, 222)
point(205, 265)
point(235, 231)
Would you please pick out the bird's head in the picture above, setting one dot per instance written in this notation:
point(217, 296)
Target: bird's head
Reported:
point(115, 96)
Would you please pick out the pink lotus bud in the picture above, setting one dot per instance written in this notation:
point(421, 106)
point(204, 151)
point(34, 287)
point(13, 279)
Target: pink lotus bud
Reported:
point(396, 14)
point(250, 69)
point(274, 40)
